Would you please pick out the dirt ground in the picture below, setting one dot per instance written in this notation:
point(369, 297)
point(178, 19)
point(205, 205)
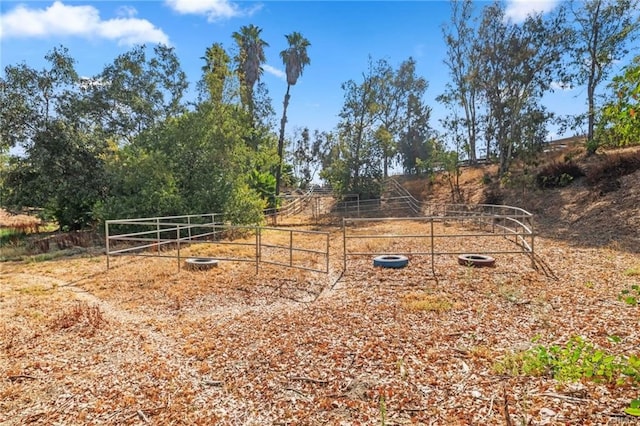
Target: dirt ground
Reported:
point(146, 343)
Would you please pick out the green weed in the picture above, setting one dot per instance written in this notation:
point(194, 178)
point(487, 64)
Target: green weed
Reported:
point(630, 296)
point(633, 272)
point(634, 408)
point(577, 360)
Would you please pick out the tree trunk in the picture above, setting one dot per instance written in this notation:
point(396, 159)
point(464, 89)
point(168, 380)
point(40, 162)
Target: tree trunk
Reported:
point(591, 147)
point(594, 77)
point(283, 122)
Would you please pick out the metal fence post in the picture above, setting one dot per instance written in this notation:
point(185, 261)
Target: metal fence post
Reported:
point(344, 244)
point(158, 235)
point(258, 247)
point(533, 234)
point(290, 248)
point(433, 267)
point(106, 234)
point(326, 255)
point(178, 243)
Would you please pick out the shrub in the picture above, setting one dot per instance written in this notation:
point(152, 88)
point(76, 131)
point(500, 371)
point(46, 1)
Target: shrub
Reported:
point(81, 317)
point(614, 167)
point(555, 175)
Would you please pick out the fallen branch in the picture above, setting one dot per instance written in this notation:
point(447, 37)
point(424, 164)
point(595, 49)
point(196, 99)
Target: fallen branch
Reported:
point(486, 416)
point(309, 379)
point(296, 391)
point(414, 410)
point(213, 382)
point(507, 416)
point(564, 397)
point(21, 376)
point(142, 416)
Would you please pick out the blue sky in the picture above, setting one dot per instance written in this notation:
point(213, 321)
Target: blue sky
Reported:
point(342, 34)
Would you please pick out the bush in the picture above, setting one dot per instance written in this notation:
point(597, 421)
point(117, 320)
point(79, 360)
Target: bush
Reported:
point(492, 195)
point(557, 175)
point(614, 167)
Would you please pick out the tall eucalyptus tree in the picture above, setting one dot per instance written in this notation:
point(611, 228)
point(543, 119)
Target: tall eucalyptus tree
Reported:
point(518, 64)
point(402, 115)
point(139, 90)
point(295, 59)
point(30, 99)
point(604, 30)
point(462, 61)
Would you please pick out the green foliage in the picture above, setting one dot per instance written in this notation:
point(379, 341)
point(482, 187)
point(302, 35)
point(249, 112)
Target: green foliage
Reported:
point(11, 236)
point(631, 295)
point(265, 185)
point(578, 359)
point(601, 35)
point(382, 117)
point(556, 175)
point(64, 172)
point(620, 124)
point(139, 90)
point(244, 206)
point(449, 162)
point(249, 60)
point(513, 76)
point(31, 98)
point(634, 408)
point(141, 186)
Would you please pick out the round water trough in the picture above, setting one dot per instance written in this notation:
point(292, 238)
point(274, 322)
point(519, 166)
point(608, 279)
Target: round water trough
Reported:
point(477, 260)
point(390, 261)
point(200, 263)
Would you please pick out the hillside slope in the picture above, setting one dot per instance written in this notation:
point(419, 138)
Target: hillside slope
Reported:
point(605, 213)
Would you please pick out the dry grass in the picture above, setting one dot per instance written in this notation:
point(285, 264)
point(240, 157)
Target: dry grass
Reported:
point(420, 301)
point(19, 222)
point(146, 342)
point(81, 344)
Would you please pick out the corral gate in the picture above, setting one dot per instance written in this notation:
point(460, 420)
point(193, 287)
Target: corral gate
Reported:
point(168, 237)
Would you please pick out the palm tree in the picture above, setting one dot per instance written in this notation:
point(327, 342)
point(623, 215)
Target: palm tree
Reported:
point(295, 58)
point(249, 60)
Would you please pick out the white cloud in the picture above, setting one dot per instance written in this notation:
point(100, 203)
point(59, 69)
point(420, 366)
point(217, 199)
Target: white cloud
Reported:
point(275, 71)
point(79, 21)
point(126, 12)
point(518, 10)
point(130, 31)
point(214, 10)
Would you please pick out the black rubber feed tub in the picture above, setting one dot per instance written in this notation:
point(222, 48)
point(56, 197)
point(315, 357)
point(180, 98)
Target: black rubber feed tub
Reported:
point(200, 263)
point(477, 260)
point(390, 261)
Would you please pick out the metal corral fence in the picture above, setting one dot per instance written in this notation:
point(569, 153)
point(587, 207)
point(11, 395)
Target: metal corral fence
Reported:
point(483, 221)
point(169, 236)
point(294, 204)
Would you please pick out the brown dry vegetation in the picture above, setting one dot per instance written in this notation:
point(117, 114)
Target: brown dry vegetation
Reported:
point(144, 342)
point(20, 222)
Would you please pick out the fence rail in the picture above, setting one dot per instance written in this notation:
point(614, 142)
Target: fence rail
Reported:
point(516, 227)
point(178, 232)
